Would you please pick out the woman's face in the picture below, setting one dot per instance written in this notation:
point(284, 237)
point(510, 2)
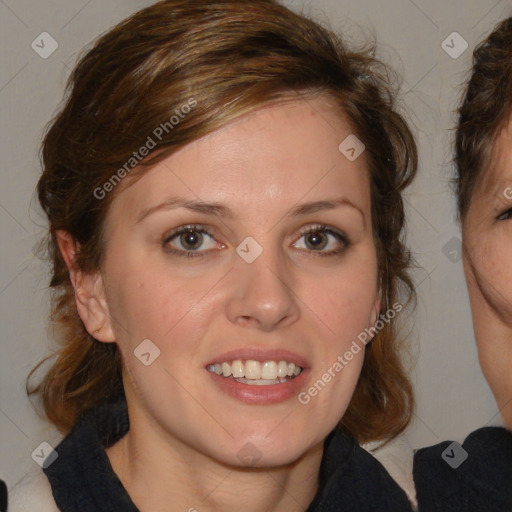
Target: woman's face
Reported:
point(245, 289)
point(487, 235)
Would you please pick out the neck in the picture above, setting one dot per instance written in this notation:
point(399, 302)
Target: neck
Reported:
point(157, 470)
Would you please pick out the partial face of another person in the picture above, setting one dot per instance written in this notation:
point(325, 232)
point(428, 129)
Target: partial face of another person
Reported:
point(488, 230)
point(253, 243)
point(487, 234)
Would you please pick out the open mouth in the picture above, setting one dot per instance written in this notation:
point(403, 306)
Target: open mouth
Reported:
point(255, 372)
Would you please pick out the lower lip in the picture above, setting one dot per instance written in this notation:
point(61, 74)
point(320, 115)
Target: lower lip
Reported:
point(260, 395)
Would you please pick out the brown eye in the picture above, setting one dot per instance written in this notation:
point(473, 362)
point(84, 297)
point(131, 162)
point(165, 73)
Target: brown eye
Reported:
point(189, 241)
point(318, 238)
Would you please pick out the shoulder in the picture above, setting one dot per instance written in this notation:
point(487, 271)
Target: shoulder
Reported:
point(32, 492)
point(474, 475)
point(397, 457)
point(351, 475)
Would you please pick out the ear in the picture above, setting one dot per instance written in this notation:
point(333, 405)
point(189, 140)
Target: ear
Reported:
point(89, 292)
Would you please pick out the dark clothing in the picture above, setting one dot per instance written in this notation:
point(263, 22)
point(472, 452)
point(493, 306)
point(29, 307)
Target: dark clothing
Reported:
point(351, 479)
point(483, 482)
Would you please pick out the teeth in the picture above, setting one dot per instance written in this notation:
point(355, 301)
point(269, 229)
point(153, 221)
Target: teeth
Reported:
point(226, 369)
point(261, 382)
point(282, 369)
point(238, 368)
point(252, 370)
point(268, 372)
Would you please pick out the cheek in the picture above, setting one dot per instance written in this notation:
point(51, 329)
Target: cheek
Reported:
point(152, 301)
point(145, 303)
point(492, 263)
point(344, 300)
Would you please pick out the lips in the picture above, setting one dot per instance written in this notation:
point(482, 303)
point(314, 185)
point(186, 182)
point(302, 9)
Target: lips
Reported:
point(258, 376)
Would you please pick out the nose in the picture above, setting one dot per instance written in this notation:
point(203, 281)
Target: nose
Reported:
point(261, 292)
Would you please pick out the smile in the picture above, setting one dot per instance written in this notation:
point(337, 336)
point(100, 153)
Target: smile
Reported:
point(255, 372)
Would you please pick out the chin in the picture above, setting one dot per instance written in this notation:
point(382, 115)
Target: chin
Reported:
point(264, 451)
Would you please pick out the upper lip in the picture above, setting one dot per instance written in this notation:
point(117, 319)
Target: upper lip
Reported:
point(261, 355)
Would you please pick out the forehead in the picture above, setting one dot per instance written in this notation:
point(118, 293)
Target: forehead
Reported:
point(279, 152)
point(497, 174)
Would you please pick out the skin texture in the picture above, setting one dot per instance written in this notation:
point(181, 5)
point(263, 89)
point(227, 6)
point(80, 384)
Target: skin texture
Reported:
point(186, 434)
point(487, 237)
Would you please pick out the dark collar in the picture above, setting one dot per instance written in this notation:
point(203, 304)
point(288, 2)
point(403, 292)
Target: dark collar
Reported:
point(82, 478)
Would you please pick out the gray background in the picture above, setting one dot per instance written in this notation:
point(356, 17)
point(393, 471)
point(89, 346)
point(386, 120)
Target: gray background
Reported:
point(453, 397)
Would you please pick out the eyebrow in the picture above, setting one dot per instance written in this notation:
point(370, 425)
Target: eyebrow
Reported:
point(221, 210)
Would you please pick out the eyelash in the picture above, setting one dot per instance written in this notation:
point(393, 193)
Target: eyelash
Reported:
point(506, 215)
point(342, 238)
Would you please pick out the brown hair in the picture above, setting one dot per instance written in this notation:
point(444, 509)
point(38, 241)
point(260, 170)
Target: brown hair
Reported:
point(485, 109)
point(231, 57)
